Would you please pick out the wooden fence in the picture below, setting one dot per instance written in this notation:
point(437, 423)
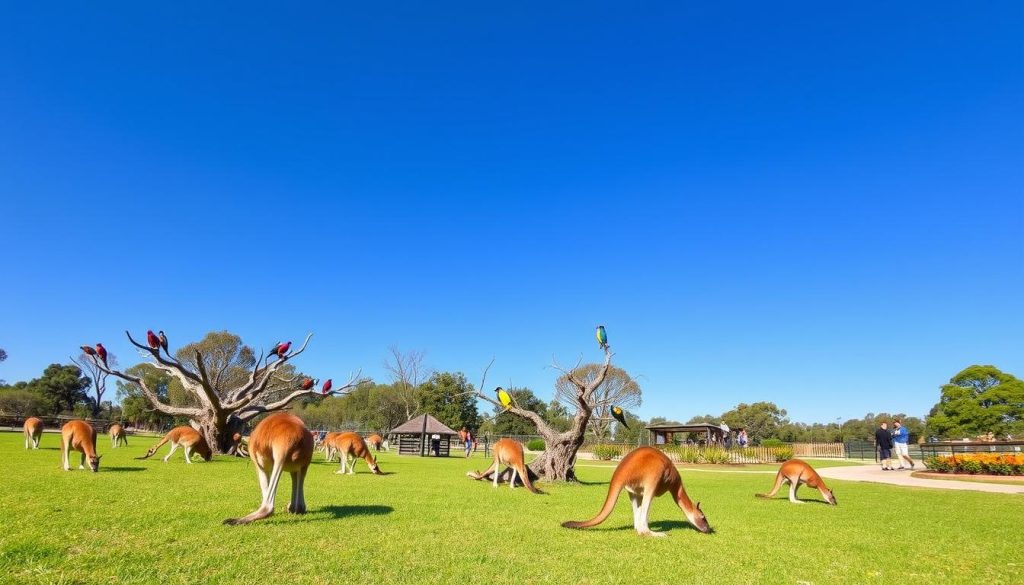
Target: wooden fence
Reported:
point(819, 450)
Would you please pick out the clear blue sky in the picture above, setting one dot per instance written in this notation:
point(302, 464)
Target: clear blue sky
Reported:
point(817, 206)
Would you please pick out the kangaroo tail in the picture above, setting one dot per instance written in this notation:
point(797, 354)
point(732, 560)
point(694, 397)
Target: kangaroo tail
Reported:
point(609, 504)
point(153, 449)
point(524, 472)
point(775, 488)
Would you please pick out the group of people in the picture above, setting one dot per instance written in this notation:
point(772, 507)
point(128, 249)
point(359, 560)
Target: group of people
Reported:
point(741, 438)
point(468, 440)
point(890, 440)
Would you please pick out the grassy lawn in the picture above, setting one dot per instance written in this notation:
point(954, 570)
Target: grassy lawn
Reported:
point(147, 521)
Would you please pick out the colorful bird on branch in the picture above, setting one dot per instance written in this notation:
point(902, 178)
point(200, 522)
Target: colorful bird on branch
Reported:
point(88, 350)
point(602, 337)
point(152, 340)
point(327, 387)
point(163, 342)
point(102, 353)
point(307, 383)
point(619, 416)
point(503, 397)
point(282, 349)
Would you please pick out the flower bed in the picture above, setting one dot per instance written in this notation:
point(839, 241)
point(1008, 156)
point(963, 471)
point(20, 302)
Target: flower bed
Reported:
point(978, 463)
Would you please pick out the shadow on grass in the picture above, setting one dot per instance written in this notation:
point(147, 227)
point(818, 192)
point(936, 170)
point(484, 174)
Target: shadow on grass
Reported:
point(786, 500)
point(120, 469)
point(663, 526)
point(337, 512)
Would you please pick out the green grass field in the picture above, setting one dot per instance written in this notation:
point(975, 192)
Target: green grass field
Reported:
point(149, 521)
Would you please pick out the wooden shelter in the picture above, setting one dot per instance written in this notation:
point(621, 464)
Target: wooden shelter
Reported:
point(424, 436)
point(665, 434)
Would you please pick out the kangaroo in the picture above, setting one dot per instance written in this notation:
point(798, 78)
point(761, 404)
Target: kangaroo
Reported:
point(77, 435)
point(375, 441)
point(118, 436)
point(646, 473)
point(796, 472)
point(508, 452)
point(279, 443)
point(186, 437)
point(351, 446)
point(328, 445)
point(33, 432)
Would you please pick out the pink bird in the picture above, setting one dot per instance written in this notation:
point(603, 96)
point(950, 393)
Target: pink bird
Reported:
point(152, 340)
point(102, 352)
point(282, 349)
point(327, 387)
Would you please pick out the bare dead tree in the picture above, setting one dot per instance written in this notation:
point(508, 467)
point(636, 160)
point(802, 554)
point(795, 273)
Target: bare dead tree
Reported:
point(221, 404)
point(407, 373)
point(97, 374)
point(619, 389)
point(557, 462)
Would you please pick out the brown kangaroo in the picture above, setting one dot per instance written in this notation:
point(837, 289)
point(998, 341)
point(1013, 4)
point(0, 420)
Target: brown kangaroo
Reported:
point(33, 432)
point(351, 446)
point(796, 472)
point(375, 441)
point(279, 443)
point(118, 436)
point(508, 452)
point(186, 437)
point(646, 473)
point(77, 435)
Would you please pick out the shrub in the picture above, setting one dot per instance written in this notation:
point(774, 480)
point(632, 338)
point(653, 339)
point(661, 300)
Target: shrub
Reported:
point(607, 452)
point(782, 453)
point(772, 443)
point(535, 445)
point(715, 455)
point(986, 463)
point(688, 454)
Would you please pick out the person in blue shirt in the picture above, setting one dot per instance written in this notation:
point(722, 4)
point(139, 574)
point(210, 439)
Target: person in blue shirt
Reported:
point(900, 437)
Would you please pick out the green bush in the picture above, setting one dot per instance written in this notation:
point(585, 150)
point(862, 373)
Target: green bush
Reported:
point(782, 453)
point(772, 443)
point(714, 455)
point(688, 454)
point(535, 445)
point(607, 452)
point(970, 466)
point(938, 464)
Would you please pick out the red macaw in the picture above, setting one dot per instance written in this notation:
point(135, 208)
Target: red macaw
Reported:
point(102, 352)
point(307, 383)
point(327, 387)
point(152, 340)
point(163, 342)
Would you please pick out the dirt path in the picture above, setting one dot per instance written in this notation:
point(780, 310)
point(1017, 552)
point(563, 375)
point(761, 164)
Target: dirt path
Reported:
point(874, 473)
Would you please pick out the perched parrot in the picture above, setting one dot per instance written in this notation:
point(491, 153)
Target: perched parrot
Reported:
point(102, 353)
point(152, 340)
point(617, 413)
point(503, 397)
point(307, 383)
point(602, 337)
point(88, 350)
point(163, 342)
point(282, 348)
point(327, 387)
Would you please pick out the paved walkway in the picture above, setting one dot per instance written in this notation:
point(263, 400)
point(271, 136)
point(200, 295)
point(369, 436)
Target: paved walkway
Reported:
point(874, 473)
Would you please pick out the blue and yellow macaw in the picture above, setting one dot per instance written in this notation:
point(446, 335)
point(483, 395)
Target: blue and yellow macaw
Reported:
point(617, 413)
point(503, 397)
point(602, 337)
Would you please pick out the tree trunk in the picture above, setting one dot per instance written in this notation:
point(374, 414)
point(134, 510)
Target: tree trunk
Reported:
point(218, 432)
point(558, 461)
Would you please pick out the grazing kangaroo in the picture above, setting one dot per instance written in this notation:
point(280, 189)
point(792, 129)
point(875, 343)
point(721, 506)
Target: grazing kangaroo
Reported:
point(796, 472)
point(33, 432)
point(375, 441)
point(185, 437)
point(646, 473)
point(508, 452)
point(279, 443)
point(77, 435)
point(351, 446)
point(118, 436)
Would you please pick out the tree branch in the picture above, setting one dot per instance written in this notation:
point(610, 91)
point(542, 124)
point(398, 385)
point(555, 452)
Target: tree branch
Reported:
point(248, 412)
point(150, 395)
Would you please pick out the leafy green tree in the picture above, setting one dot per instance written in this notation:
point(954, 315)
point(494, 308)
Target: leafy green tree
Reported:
point(619, 389)
point(760, 419)
point(63, 386)
point(660, 420)
point(703, 419)
point(22, 402)
point(3, 356)
point(450, 399)
point(976, 401)
point(557, 416)
point(634, 434)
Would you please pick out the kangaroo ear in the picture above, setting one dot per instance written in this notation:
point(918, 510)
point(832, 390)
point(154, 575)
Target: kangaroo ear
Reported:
point(698, 506)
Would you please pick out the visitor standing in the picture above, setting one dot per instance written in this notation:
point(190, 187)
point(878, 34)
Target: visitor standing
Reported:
point(470, 439)
point(883, 439)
